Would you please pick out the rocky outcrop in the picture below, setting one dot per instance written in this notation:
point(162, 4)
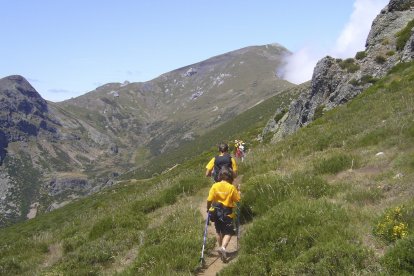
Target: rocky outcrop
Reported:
point(23, 112)
point(336, 81)
point(61, 185)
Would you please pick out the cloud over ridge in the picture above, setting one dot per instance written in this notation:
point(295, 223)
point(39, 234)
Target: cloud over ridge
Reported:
point(299, 66)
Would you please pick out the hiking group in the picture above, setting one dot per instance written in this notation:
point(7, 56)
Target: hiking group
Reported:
point(240, 149)
point(222, 197)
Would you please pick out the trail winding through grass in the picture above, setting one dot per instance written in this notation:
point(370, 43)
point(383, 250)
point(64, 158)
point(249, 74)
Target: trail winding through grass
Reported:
point(213, 263)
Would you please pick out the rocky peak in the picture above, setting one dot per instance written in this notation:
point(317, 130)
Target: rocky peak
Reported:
point(400, 5)
point(336, 81)
point(20, 96)
point(23, 112)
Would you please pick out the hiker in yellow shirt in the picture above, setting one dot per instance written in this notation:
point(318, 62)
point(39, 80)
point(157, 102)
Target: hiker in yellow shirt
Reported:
point(224, 159)
point(223, 197)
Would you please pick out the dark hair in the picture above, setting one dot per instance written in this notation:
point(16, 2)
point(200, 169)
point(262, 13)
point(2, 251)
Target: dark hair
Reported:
point(226, 175)
point(223, 147)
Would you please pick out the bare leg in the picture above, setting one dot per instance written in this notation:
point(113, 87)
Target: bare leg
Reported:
point(219, 238)
point(225, 241)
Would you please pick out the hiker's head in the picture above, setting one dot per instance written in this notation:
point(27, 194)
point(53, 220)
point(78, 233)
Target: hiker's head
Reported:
point(223, 147)
point(226, 175)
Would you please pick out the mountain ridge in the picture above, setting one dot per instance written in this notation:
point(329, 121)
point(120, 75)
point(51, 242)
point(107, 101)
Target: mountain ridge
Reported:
point(81, 145)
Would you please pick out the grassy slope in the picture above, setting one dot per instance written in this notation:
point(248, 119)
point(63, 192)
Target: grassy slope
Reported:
point(316, 204)
point(245, 126)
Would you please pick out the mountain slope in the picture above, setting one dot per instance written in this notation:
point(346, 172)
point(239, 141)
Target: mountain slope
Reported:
point(314, 202)
point(79, 146)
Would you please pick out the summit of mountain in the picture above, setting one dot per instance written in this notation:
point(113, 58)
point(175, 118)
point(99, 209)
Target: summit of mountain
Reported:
point(53, 152)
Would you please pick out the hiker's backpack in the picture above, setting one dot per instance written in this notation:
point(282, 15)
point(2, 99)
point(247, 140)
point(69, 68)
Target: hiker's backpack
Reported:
point(220, 162)
point(218, 212)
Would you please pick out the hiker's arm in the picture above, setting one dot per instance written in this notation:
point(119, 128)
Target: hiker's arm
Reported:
point(234, 167)
point(208, 172)
point(210, 166)
point(208, 205)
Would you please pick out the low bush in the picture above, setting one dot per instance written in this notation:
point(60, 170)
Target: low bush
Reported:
point(399, 259)
point(361, 55)
point(380, 59)
point(334, 164)
point(392, 225)
point(390, 53)
point(349, 65)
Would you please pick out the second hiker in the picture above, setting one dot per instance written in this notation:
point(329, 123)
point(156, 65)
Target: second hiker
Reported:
point(224, 159)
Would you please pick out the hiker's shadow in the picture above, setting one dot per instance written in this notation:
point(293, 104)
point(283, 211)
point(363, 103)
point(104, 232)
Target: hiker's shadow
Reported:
point(231, 255)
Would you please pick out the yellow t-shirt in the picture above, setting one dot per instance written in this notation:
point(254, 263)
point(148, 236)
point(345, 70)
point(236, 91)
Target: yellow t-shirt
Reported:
point(210, 164)
point(224, 193)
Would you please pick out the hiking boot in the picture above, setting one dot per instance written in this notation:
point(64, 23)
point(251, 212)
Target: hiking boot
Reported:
point(223, 254)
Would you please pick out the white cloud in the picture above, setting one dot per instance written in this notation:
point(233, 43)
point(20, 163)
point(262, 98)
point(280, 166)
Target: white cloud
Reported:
point(299, 66)
point(354, 35)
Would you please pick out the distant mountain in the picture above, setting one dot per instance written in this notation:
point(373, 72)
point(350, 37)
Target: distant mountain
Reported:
point(54, 152)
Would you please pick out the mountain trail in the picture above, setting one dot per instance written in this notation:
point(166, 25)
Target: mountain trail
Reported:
point(213, 263)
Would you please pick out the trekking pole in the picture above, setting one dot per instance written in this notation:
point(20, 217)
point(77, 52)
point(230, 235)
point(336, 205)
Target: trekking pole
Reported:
point(202, 261)
point(238, 223)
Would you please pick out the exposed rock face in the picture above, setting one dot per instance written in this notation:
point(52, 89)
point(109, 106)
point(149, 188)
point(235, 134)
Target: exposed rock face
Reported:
point(400, 5)
point(335, 82)
point(58, 186)
point(23, 112)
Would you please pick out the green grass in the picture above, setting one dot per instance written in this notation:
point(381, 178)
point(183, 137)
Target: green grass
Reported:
point(404, 35)
point(349, 65)
point(312, 202)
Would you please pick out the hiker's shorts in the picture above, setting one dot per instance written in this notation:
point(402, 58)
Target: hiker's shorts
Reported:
point(226, 227)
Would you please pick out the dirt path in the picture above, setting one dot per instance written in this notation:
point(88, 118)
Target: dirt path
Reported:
point(213, 263)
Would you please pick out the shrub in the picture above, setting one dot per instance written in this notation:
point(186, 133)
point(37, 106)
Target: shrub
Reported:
point(390, 53)
point(349, 65)
point(354, 82)
point(392, 226)
point(318, 112)
point(279, 115)
point(380, 59)
point(385, 41)
point(360, 55)
point(368, 79)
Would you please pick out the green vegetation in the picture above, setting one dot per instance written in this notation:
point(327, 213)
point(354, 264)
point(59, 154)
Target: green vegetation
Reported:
point(380, 59)
point(390, 53)
point(320, 202)
point(349, 65)
point(361, 55)
point(404, 35)
point(364, 80)
point(247, 125)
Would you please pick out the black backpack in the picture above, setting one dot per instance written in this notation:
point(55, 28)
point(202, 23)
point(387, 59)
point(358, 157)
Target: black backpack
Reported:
point(218, 212)
point(219, 163)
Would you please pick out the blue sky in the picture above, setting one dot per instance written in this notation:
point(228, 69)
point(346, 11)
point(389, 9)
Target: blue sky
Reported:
point(67, 48)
